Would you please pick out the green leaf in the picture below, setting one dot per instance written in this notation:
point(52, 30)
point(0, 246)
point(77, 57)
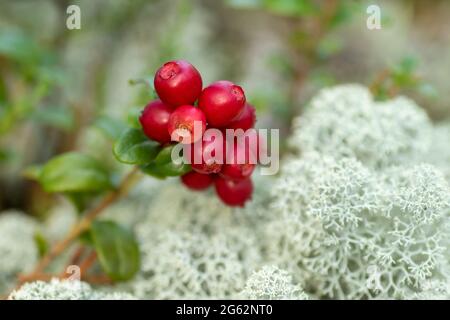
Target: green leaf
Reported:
point(110, 127)
point(74, 172)
point(80, 200)
point(133, 147)
point(344, 11)
point(164, 156)
point(163, 166)
point(408, 64)
point(167, 170)
point(299, 8)
point(152, 170)
point(86, 238)
point(117, 250)
point(41, 244)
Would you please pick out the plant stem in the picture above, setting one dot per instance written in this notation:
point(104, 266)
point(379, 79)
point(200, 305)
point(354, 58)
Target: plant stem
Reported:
point(87, 263)
point(81, 226)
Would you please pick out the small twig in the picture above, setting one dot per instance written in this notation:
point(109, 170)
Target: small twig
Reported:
point(98, 279)
point(87, 263)
point(379, 80)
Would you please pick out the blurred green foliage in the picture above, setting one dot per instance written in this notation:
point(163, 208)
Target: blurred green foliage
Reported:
point(74, 172)
point(402, 77)
point(310, 43)
point(293, 8)
point(29, 75)
point(163, 166)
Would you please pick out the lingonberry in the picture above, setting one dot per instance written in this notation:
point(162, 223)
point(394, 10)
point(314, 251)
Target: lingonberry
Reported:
point(186, 124)
point(222, 101)
point(197, 181)
point(177, 83)
point(207, 156)
point(154, 119)
point(239, 164)
point(232, 192)
point(245, 120)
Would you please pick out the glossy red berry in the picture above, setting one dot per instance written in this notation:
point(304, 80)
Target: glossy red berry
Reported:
point(203, 156)
point(178, 82)
point(197, 181)
point(245, 120)
point(234, 193)
point(239, 164)
point(154, 120)
point(186, 124)
point(221, 101)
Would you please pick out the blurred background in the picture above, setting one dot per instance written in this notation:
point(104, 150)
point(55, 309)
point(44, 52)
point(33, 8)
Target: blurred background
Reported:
point(63, 90)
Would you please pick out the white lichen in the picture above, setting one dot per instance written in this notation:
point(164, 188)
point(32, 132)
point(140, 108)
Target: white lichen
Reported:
point(344, 121)
point(272, 283)
point(368, 234)
point(57, 289)
point(184, 265)
point(18, 251)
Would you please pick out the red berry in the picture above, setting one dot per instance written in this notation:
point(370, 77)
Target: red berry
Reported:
point(186, 124)
point(203, 156)
point(197, 181)
point(234, 193)
point(240, 165)
point(154, 119)
point(221, 101)
point(245, 120)
point(178, 82)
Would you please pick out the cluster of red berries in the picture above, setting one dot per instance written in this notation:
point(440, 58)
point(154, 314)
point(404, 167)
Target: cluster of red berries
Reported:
point(221, 105)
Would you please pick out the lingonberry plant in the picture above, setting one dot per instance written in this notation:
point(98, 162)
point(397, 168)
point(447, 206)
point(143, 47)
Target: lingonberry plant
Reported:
point(170, 121)
point(221, 105)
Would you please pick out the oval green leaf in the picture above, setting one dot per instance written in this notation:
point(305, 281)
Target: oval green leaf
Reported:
point(74, 172)
point(133, 147)
point(163, 165)
point(117, 250)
